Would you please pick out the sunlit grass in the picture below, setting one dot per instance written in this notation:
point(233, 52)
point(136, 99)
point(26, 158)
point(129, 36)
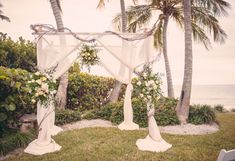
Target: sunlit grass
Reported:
point(111, 144)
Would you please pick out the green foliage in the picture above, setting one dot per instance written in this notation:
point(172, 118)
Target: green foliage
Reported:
point(200, 114)
point(87, 92)
point(219, 108)
point(14, 99)
point(19, 54)
point(15, 140)
point(66, 116)
point(164, 115)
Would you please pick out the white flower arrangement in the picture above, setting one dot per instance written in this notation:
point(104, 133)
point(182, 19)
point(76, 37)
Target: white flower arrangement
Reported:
point(42, 88)
point(148, 85)
point(88, 55)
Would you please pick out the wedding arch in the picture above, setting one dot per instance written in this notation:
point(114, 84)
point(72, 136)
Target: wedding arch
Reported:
point(120, 54)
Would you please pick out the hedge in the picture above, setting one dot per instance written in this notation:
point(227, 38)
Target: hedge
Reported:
point(164, 113)
point(86, 92)
point(19, 54)
point(14, 100)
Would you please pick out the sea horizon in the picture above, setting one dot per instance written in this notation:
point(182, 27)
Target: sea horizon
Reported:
point(211, 94)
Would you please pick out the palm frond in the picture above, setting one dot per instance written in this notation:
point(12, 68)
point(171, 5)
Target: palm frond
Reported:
point(137, 17)
point(205, 19)
point(217, 7)
point(177, 16)
point(101, 4)
point(200, 36)
point(158, 36)
point(4, 18)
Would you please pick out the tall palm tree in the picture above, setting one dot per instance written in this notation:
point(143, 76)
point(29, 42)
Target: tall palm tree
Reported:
point(117, 87)
point(3, 17)
point(203, 19)
point(215, 7)
point(182, 108)
point(62, 90)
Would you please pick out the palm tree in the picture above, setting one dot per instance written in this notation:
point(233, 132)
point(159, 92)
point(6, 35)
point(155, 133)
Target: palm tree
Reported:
point(62, 90)
point(215, 7)
point(182, 108)
point(140, 15)
point(3, 17)
point(117, 87)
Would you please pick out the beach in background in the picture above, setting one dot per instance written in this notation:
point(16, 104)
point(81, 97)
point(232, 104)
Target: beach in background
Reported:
point(210, 94)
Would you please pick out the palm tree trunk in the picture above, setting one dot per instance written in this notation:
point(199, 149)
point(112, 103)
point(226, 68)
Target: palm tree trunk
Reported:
point(117, 87)
point(184, 102)
point(170, 90)
point(62, 90)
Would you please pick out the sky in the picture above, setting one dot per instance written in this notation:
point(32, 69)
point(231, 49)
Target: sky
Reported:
point(214, 66)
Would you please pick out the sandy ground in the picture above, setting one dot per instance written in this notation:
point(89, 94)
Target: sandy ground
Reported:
point(187, 129)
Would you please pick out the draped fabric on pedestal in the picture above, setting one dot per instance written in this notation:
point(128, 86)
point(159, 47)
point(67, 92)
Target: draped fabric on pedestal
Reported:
point(59, 51)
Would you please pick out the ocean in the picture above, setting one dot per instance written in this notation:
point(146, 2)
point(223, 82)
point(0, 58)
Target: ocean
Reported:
point(210, 94)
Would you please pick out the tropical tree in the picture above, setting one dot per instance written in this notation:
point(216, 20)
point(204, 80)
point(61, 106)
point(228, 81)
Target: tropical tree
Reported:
point(182, 108)
point(62, 90)
point(202, 19)
point(3, 17)
point(117, 87)
point(214, 7)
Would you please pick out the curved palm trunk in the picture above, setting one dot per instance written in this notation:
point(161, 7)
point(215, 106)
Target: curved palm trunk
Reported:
point(62, 90)
point(184, 102)
point(170, 90)
point(117, 87)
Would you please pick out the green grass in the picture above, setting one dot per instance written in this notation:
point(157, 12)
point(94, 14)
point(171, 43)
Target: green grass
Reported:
point(111, 144)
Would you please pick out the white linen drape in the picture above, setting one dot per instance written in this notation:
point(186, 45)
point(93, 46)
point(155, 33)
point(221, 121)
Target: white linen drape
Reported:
point(119, 57)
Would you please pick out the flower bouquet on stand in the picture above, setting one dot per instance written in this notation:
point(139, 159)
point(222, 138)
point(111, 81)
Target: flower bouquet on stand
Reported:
point(148, 89)
point(42, 88)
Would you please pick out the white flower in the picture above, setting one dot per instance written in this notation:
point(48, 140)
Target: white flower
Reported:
point(37, 73)
point(144, 75)
point(54, 81)
point(43, 78)
point(33, 81)
point(53, 92)
point(45, 87)
point(138, 83)
point(141, 95)
point(151, 82)
point(33, 100)
point(29, 82)
point(39, 81)
point(149, 97)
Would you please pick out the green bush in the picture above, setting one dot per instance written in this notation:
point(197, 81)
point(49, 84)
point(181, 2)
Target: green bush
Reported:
point(19, 54)
point(165, 113)
point(15, 140)
point(14, 100)
point(201, 114)
point(87, 92)
point(66, 116)
point(219, 108)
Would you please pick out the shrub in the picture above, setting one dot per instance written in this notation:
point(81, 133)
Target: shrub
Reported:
point(165, 113)
point(14, 100)
point(15, 140)
point(66, 116)
point(219, 108)
point(87, 92)
point(233, 110)
point(19, 54)
point(200, 114)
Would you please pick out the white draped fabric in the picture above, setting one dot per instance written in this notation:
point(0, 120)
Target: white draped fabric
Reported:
point(59, 51)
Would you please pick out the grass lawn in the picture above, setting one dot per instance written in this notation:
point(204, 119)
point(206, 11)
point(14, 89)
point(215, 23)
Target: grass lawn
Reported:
point(111, 144)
